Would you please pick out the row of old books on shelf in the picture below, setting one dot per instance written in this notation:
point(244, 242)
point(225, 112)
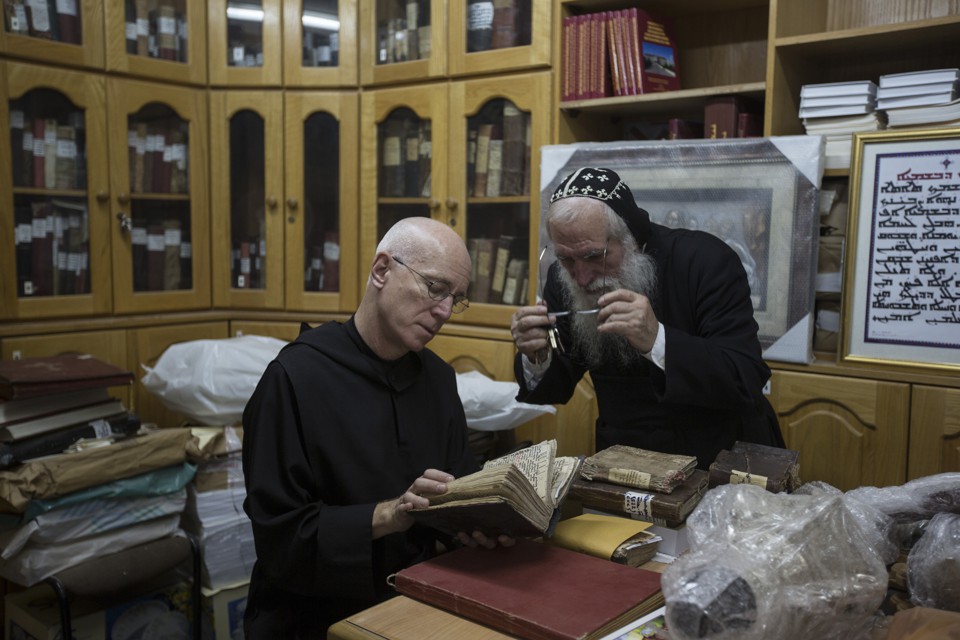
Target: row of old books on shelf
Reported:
point(157, 29)
point(44, 19)
point(406, 154)
point(498, 155)
point(838, 110)
point(323, 264)
point(501, 270)
point(320, 49)
point(162, 254)
point(52, 248)
point(617, 53)
point(497, 25)
point(724, 117)
point(157, 154)
point(48, 153)
point(403, 32)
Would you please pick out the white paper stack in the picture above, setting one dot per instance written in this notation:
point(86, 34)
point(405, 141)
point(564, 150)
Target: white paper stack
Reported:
point(216, 517)
point(838, 134)
point(921, 98)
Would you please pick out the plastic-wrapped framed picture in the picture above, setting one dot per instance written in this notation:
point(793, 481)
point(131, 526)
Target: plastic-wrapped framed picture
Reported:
point(757, 194)
point(901, 305)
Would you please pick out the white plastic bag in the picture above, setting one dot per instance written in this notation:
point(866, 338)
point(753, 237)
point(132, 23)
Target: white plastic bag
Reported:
point(210, 381)
point(492, 406)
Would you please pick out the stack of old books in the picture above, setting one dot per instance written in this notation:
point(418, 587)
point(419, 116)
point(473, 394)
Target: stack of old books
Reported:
point(77, 482)
point(48, 404)
point(772, 468)
point(659, 488)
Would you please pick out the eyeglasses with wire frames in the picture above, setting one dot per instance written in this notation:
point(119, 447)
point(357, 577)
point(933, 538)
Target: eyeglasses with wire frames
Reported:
point(591, 257)
point(439, 291)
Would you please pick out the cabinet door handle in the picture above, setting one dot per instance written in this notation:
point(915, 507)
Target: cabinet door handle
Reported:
point(123, 199)
point(126, 224)
point(292, 203)
point(102, 196)
point(452, 204)
point(271, 202)
point(434, 204)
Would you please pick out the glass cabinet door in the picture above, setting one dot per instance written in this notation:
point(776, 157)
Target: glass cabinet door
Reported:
point(321, 238)
point(404, 40)
point(158, 134)
point(496, 128)
point(320, 42)
point(54, 187)
point(244, 42)
point(401, 130)
point(498, 35)
point(161, 39)
point(54, 31)
point(247, 186)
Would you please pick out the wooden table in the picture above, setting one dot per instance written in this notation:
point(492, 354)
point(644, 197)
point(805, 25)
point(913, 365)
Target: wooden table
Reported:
point(402, 618)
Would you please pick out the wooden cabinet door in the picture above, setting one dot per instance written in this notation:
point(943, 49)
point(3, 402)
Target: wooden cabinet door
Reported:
point(850, 432)
point(319, 43)
point(73, 33)
point(54, 213)
point(497, 214)
point(520, 38)
point(170, 44)
point(244, 43)
point(402, 41)
point(246, 137)
point(144, 348)
point(320, 206)
point(389, 118)
point(934, 431)
point(158, 161)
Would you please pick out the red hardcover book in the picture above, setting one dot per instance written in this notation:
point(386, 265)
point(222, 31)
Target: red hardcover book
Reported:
point(721, 116)
point(31, 377)
point(749, 125)
point(680, 129)
point(568, 58)
point(68, 21)
point(629, 50)
point(534, 590)
point(657, 52)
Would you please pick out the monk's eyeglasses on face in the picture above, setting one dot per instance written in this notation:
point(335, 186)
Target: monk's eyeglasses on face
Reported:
point(592, 257)
point(597, 256)
point(439, 291)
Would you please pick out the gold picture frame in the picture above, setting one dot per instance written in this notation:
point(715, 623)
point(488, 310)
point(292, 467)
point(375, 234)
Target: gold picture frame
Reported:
point(901, 286)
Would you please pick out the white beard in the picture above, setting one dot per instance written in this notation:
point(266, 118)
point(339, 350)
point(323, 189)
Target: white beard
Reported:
point(638, 272)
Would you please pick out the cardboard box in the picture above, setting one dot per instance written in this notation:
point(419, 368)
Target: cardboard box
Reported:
point(34, 614)
point(223, 612)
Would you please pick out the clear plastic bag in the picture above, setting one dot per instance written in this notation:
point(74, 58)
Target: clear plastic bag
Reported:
point(933, 566)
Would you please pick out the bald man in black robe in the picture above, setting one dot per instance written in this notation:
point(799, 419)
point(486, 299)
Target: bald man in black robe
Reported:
point(351, 426)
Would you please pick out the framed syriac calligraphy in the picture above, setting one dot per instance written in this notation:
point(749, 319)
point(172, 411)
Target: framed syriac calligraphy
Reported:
point(901, 305)
point(759, 195)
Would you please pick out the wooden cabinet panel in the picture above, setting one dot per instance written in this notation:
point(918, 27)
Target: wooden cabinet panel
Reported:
point(849, 432)
point(89, 50)
point(144, 348)
point(244, 43)
point(934, 431)
point(109, 346)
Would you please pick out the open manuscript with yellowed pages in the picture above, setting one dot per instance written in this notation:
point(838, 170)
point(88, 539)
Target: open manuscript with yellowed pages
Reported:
point(518, 495)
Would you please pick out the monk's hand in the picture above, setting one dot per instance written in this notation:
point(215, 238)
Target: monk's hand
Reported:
point(528, 328)
point(479, 539)
point(392, 516)
point(630, 315)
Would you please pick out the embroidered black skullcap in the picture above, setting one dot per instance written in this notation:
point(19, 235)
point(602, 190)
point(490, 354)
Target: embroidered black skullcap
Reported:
point(605, 185)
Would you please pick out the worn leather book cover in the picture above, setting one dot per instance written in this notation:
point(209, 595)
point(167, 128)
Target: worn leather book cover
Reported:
point(664, 509)
point(639, 468)
point(772, 468)
point(32, 377)
point(532, 590)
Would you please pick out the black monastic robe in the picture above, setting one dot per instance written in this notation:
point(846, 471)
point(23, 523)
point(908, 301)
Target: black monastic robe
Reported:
point(330, 431)
point(711, 393)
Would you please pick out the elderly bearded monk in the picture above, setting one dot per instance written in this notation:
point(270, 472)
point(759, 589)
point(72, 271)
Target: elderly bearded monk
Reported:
point(661, 318)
